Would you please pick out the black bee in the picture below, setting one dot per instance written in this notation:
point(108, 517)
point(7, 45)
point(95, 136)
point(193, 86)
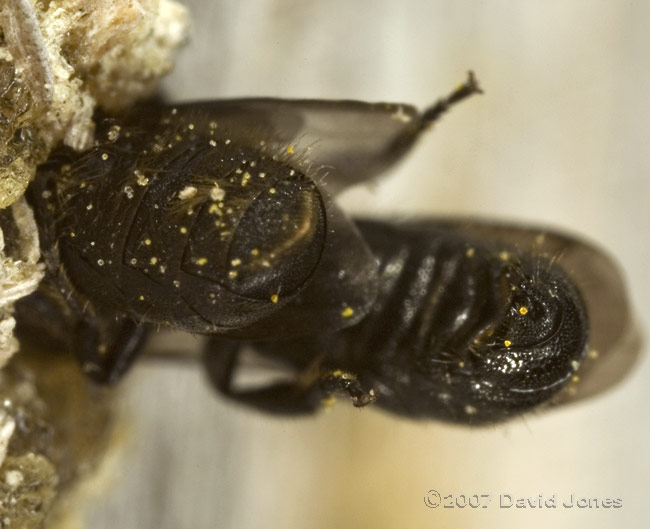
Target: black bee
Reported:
point(474, 322)
point(217, 218)
point(460, 330)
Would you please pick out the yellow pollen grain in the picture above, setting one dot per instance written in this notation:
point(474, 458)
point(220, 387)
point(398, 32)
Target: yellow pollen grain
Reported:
point(212, 143)
point(461, 364)
point(504, 256)
point(235, 262)
point(275, 298)
point(469, 252)
point(114, 133)
point(347, 312)
point(187, 192)
point(147, 242)
point(523, 311)
point(507, 343)
point(290, 149)
point(82, 185)
point(142, 180)
point(201, 261)
point(104, 156)
point(153, 260)
point(344, 375)
point(255, 251)
point(233, 274)
point(141, 298)
point(272, 190)
point(183, 229)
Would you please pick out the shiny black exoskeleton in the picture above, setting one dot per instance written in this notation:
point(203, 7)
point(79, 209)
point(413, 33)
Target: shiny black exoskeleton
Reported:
point(461, 330)
point(217, 218)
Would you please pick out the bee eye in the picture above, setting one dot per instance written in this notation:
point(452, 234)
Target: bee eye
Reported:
point(279, 240)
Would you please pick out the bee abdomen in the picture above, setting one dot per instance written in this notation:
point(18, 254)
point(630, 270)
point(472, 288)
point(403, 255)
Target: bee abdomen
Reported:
point(437, 292)
point(462, 330)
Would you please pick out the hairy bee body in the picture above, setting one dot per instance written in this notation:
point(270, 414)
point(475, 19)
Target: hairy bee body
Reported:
point(216, 218)
point(484, 331)
point(461, 330)
point(185, 226)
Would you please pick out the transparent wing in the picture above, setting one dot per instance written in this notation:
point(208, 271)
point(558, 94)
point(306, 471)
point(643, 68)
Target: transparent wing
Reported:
point(346, 141)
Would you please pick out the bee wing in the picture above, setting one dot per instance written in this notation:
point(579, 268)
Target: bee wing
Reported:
point(614, 342)
point(347, 142)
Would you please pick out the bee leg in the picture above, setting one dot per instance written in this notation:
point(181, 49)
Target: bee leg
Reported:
point(465, 90)
point(306, 393)
point(106, 347)
point(340, 381)
point(221, 359)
